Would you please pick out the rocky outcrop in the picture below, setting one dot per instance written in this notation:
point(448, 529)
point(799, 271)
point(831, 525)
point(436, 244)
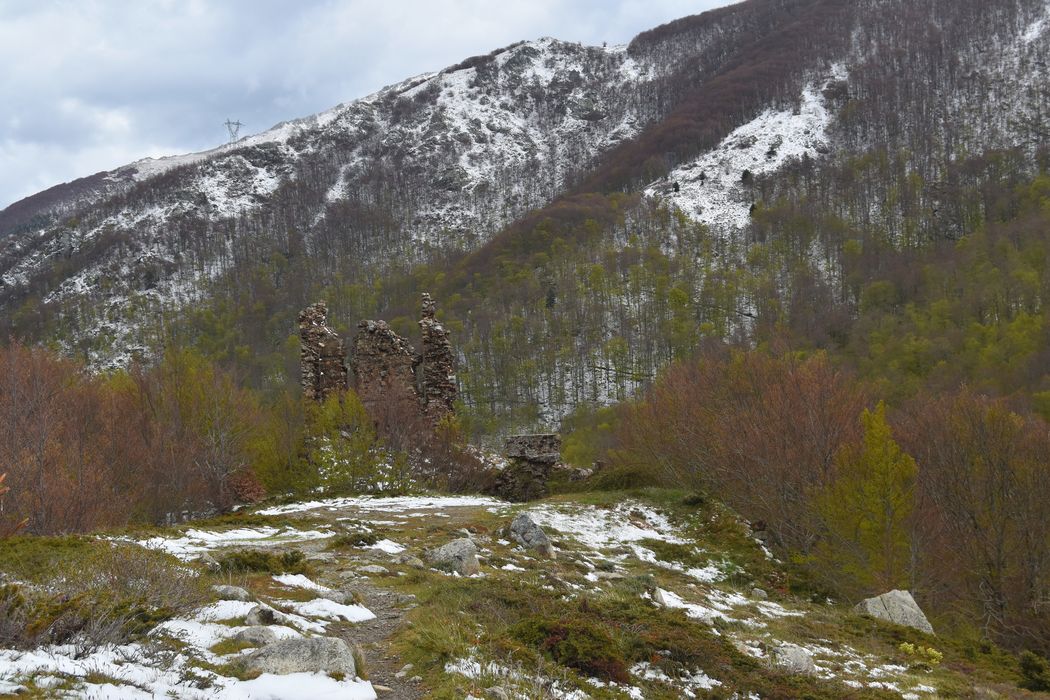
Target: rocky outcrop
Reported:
point(384, 367)
point(322, 354)
point(458, 556)
point(437, 384)
point(897, 607)
point(528, 534)
point(530, 461)
point(312, 655)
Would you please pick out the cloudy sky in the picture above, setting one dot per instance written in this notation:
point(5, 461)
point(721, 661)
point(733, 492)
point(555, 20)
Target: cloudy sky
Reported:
point(89, 85)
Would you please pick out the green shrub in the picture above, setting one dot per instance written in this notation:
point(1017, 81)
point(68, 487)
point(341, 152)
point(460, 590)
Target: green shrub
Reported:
point(576, 643)
point(1035, 671)
point(259, 561)
point(93, 591)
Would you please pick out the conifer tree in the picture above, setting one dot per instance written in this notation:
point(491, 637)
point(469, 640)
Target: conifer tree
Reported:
point(867, 510)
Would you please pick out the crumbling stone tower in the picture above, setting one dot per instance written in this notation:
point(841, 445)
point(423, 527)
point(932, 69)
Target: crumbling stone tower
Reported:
point(384, 367)
point(322, 355)
point(393, 382)
point(437, 384)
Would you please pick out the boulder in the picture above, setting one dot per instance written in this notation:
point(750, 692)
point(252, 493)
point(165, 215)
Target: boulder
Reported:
point(373, 570)
point(260, 615)
point(409, 560)
point(232, 593)
point(528, 534)
point(793, 659)
point(897, 607)
point(304, 655)
point(458, 556)
point(257, 636)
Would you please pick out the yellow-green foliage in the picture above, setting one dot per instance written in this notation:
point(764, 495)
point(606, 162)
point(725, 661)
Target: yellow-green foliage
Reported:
point(925, 655)
point(867, 509)
point(341, 443)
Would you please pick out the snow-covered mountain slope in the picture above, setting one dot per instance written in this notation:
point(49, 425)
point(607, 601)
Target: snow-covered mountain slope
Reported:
point(714, 188)
point(438, 164)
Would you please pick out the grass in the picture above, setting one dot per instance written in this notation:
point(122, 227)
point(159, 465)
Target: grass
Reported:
point(230, 646)
point(95, 591)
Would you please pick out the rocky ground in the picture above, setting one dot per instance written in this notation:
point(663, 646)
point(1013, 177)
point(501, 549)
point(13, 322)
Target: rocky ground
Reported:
point(646, 595)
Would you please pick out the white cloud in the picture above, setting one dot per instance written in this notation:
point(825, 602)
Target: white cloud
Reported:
point(94, 84)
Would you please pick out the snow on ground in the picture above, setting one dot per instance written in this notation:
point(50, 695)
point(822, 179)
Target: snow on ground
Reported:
point(712, 188)
point(142, 674)
point(474, 668)
point(196, 542)
point(300, 581)
point(688, 683)
point(388, 546)
point(144, 670)
point(388, 504)
point(330, 610)
point(602, 528)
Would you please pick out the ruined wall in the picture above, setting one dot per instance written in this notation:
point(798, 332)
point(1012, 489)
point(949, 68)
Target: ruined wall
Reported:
point(322, 354)
point(384, 365)
point(385, 371)
point(437, 386)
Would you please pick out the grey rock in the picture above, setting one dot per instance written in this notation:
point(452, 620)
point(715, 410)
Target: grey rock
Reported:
point(373, 570)
point(458, 556)
point(306, 655)
point(609, 576)
point(209, 561)
point(404, 671)
point(409, 560)
point(232, 593)
point(794, 659)
point(260, 615)
point(528, 534)
point(759, 593)
point(897, 607)
point(497, 693)
point(258, 636)
point(341, 597)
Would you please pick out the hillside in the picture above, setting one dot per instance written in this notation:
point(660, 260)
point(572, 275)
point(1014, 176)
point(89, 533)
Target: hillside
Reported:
point(666, 598)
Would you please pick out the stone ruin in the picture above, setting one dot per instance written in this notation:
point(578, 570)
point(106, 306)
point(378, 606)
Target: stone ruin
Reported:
point(388, 375)
point(437, 366)
point(322, 355)
point(531, 458)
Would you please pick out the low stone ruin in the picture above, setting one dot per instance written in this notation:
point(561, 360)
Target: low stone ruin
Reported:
point(322, 354)
point(390, 378)
point(531, 458)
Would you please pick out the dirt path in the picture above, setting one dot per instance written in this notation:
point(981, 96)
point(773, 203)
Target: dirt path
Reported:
point(374, 639)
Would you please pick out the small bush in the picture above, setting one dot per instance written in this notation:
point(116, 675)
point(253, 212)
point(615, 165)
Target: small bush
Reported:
point(575, 643)
point(90, 592)
point(1035, 672)
point(259, 561)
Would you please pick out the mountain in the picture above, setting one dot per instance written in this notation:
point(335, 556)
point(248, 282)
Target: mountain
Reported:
point(588, 213)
